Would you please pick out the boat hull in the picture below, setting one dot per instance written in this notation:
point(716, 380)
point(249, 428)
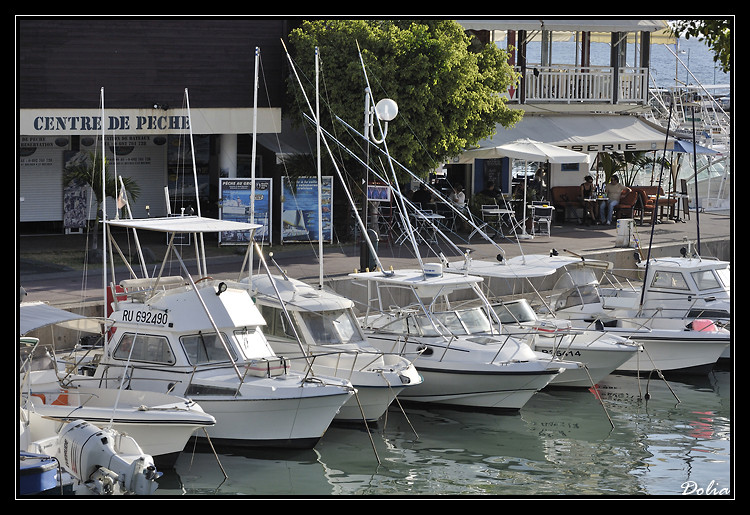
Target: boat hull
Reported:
point(687, 355)
point(479, 373)
point(162, 430)
point(377, 378)
point(37, 474)
point(599, 361)
point(491, 388)
point(285, 411)
point(666, 344)
point(290, 423)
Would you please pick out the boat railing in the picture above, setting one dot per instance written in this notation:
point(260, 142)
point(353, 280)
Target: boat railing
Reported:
point(688, 312)
point(140, 289)
point(346, 361)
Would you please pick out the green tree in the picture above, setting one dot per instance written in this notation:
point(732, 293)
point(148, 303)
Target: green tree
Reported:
point(717, 34)
point(87, 169)
point(448, 90)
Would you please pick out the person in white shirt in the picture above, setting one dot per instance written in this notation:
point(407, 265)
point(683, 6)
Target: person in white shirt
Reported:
point(614, 190)
point(457, 197)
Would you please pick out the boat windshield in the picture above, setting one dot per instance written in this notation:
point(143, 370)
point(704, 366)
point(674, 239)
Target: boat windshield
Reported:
point(706, 280)
point(575, 276)
point(515, 312)
point(723, 274)
point(670, 280)
point(35, 358)
point(578, 296)
point(332, 327)
point(458, 322)
point(144, 347)
point(206, 348)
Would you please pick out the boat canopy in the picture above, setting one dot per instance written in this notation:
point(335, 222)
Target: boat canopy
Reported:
point(297, 295)
point(424, 285)
point(531, 265)
point(35, 315)
point(686, 264)
point(184, 224)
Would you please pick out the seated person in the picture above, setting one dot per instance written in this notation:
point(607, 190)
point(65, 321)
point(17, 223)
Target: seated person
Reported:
point(490, 191)
point(457, 197)
point(537, 187)
point(614, 191)
point(422, 196)
point(588, 192)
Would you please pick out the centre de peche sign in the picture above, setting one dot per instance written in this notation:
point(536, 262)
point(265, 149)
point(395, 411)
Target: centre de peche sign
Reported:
point(72, 124)
point(57, 122)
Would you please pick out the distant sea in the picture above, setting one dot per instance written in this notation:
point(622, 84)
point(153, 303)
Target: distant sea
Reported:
point(665, 67)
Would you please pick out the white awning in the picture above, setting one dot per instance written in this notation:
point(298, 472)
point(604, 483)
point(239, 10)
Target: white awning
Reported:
point(582, 133)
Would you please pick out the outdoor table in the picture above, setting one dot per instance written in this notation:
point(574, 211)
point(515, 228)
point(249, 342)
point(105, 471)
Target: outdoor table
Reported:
point(423, 221)
point(661, 205)
point(674, 210)
point(494, 211)
point(596, 201)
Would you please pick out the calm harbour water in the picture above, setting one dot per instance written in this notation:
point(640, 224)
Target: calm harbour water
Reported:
point(560, 444)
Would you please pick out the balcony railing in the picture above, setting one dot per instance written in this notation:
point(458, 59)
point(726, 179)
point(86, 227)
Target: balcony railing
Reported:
point(583, 84)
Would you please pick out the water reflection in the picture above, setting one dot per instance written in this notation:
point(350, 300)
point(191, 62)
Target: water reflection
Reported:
point(561, 444)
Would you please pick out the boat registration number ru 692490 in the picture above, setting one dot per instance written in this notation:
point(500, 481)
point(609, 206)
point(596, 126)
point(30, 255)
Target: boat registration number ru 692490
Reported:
point(145, 317)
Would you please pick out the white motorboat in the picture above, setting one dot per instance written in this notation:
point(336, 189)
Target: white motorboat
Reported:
point(602, 353)
point(203, 339)
point(86, 460)
point(482, 372)
point(689, 346)
point(324, 335)
point(686, 288)
point(161, 423)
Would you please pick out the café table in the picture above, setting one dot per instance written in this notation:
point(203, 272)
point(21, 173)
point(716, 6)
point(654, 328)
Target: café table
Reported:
point(424, 223)
point(663, 202)
point(495, 211)
point(596, 203)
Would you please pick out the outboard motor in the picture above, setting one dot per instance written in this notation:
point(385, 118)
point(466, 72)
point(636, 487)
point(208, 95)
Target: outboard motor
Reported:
point(106, 461)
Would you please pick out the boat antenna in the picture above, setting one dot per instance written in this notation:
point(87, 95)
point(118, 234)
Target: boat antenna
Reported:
point(695, 168)
point(656, 205)
point(253, 152)
point(195, 185)
point(430, 188)
point(283, 306)
point(104, 220)
point(320, 186)
point(384, 180)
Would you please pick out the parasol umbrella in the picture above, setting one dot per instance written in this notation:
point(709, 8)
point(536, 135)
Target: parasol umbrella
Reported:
point(530, 150)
